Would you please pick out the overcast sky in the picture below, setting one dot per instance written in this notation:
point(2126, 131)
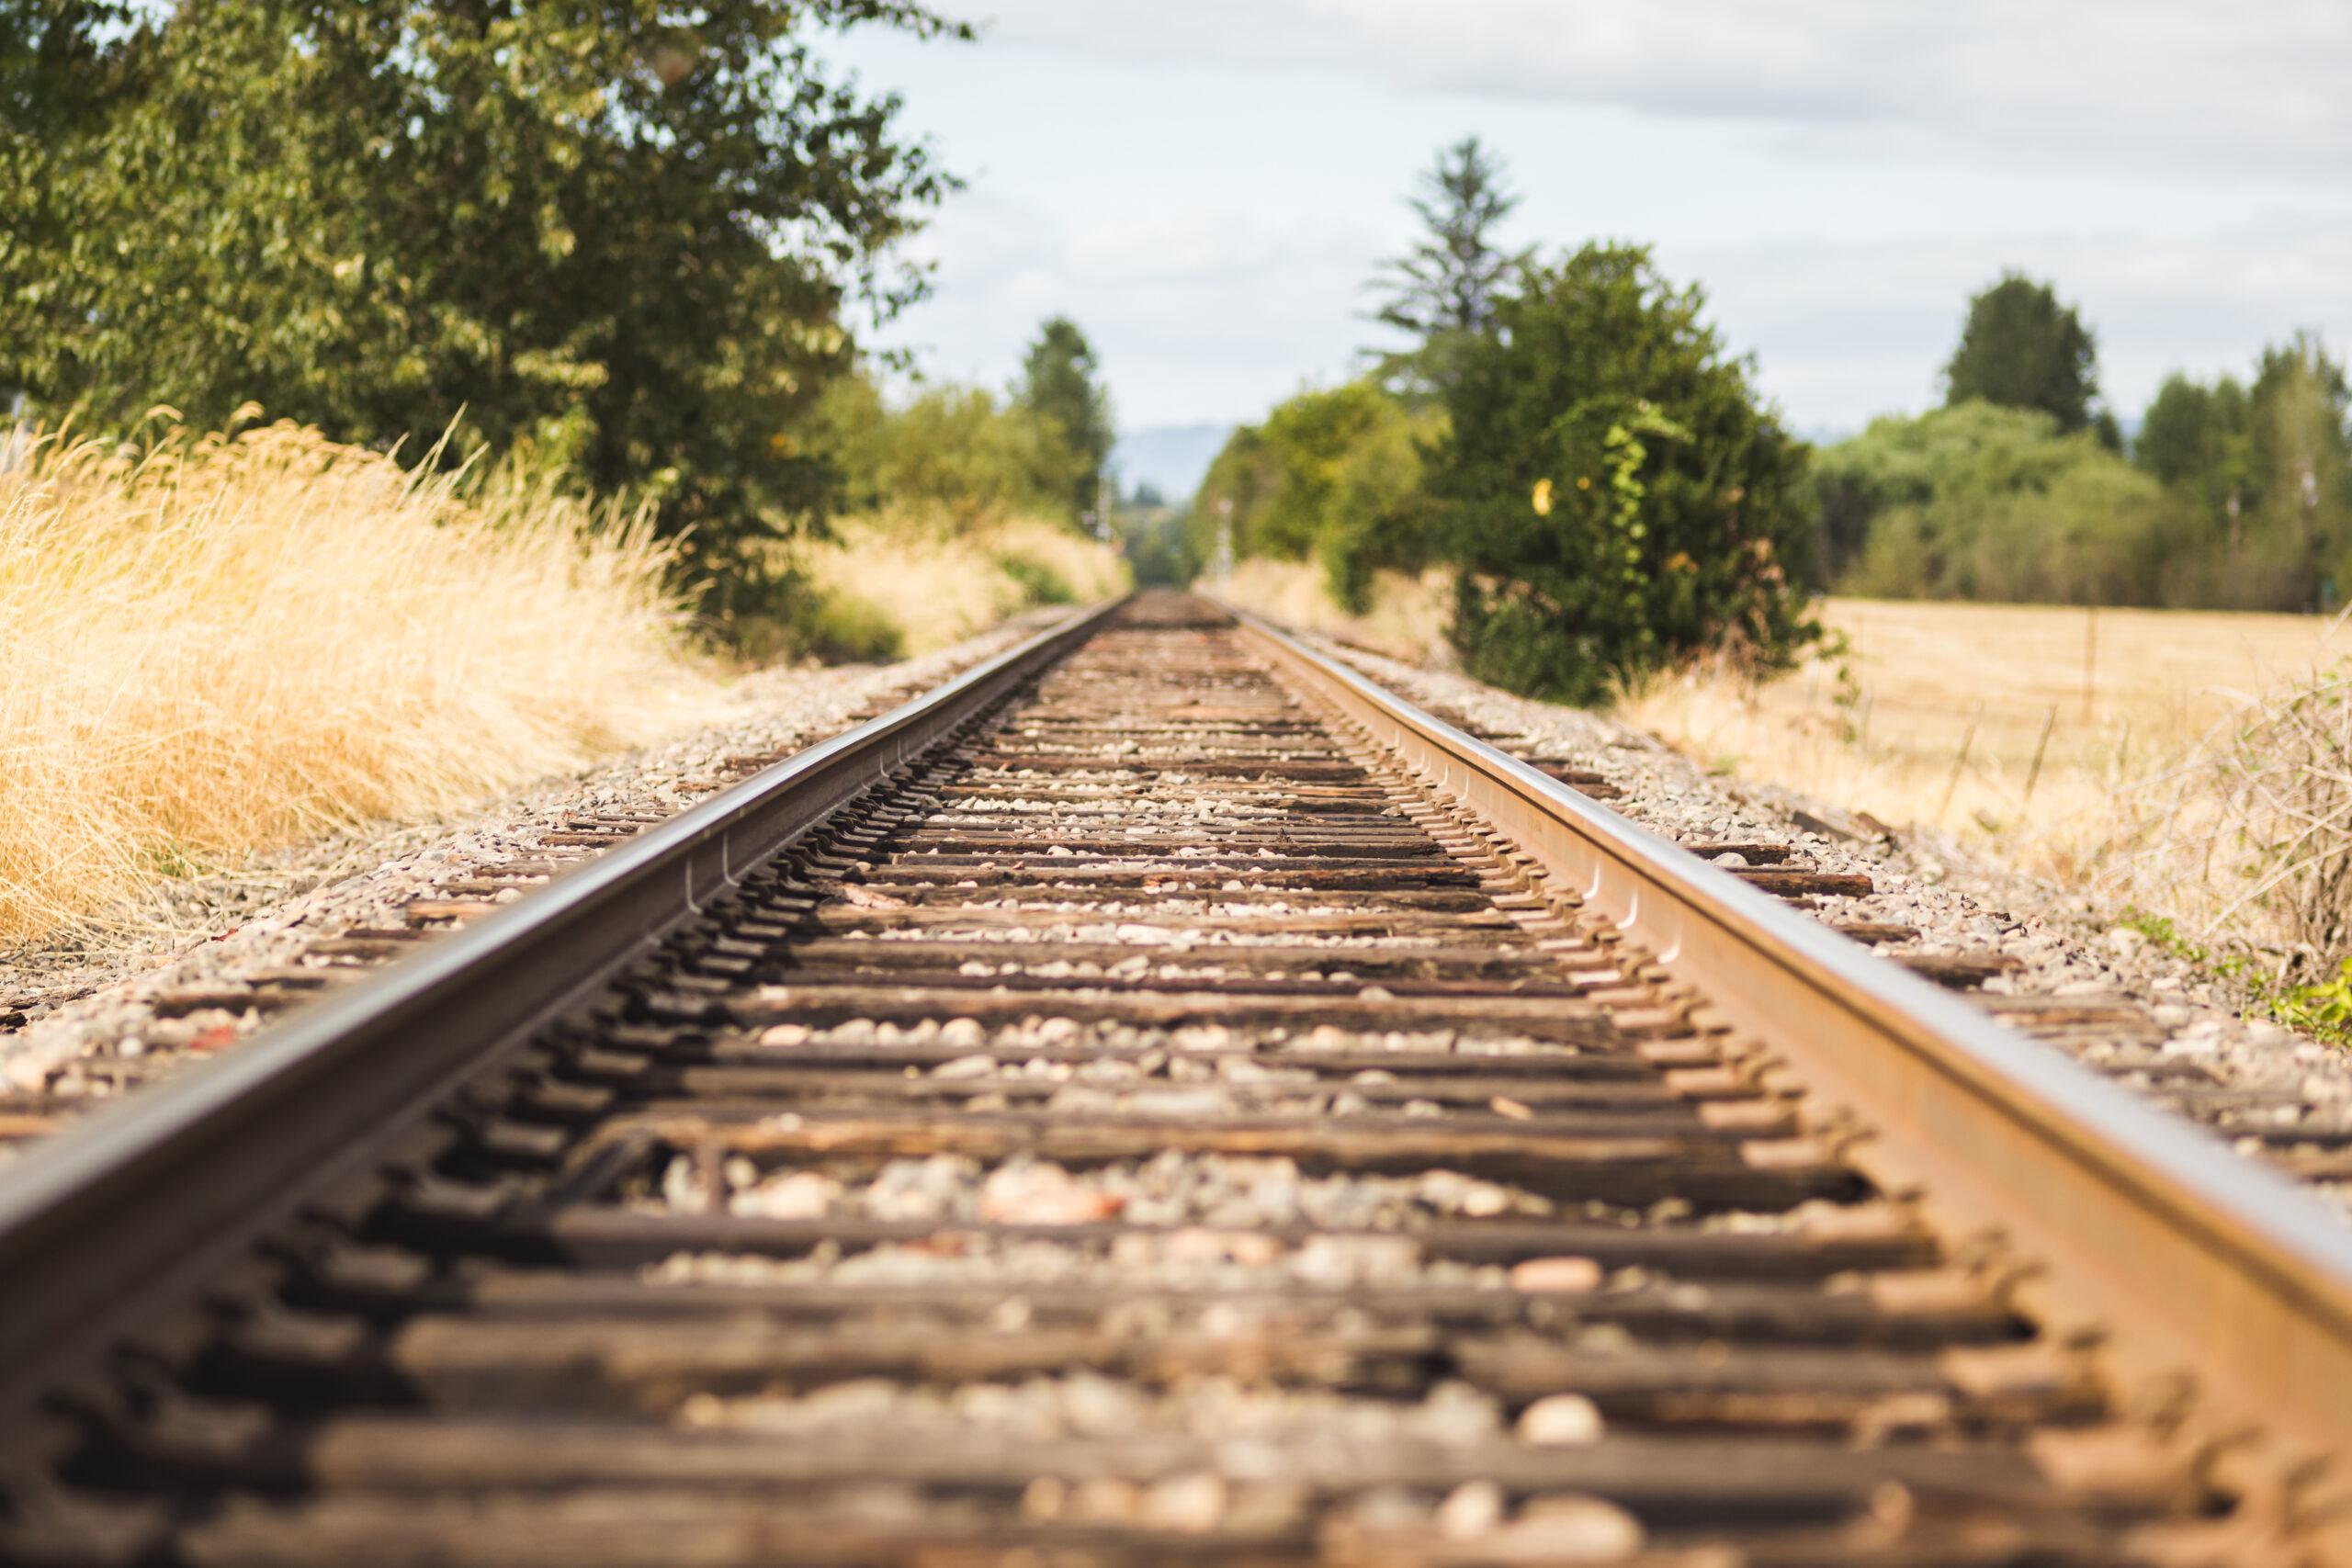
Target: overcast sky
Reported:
point(1204, 186)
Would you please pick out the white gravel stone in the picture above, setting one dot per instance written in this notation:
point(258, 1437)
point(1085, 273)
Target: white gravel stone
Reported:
point(1559, 1421)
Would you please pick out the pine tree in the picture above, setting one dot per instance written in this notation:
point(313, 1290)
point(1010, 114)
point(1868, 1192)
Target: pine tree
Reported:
point(1443, 290)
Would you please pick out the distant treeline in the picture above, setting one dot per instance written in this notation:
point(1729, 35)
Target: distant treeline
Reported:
point(2235, 495)
point(1609, 494)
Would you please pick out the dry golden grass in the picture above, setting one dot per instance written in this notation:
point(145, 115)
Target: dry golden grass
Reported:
point(1406, 620)
point(1935, 715)
point(227, 644)
point(939, 579)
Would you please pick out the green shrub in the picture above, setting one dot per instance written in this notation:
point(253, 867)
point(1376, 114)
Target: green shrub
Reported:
point(841, 628)
point(1612, 493)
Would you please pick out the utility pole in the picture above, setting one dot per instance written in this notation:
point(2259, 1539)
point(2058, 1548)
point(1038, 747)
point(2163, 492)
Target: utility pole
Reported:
point(1224, 542)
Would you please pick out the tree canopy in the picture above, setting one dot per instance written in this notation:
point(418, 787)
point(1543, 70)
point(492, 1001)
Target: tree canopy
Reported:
point(961, 453)
point(627, 233)
point(2196, 434)
point(2022, 349)
point(1982, 502)
point(1444, 287)
point(2238, 495)
point(2260, 475)
point(1332, 475)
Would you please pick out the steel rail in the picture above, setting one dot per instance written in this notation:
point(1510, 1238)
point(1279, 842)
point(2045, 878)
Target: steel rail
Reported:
point(139, 1201)
point(2201, 1264)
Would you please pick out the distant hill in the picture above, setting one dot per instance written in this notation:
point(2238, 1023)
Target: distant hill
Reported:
point(1172, 458)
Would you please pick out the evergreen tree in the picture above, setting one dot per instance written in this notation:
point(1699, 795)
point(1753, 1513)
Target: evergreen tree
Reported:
point(2022, 349)
point(1444, 287)
point(1058, 384)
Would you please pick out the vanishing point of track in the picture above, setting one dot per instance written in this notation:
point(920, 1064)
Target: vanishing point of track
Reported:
point(1160, 1098)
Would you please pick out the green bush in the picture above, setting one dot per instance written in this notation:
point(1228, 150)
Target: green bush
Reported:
point(841, 628)
point(1612, 493)
point(1039, 583)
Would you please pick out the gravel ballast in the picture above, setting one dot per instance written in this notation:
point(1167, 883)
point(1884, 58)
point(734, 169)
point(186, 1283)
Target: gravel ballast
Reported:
point(200, 962)
point(213, 959)
point(2041, 960)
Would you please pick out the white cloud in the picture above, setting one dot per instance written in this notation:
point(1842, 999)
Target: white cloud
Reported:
point(2255, 89)
point(1196, 313)
point(1206, 186)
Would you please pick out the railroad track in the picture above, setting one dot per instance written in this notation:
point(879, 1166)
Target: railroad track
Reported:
point(1159, 1099)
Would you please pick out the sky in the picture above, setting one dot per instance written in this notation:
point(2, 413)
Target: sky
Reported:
point(1206, 186)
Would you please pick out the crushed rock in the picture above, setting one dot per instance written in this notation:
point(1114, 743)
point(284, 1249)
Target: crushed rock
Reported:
point(2060, 968)
point(102, 1006)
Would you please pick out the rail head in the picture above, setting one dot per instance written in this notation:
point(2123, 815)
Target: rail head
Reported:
point(2200, 1262)
point(139, 1200)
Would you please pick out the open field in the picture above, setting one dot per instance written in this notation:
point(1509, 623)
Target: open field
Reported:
point(2105, 684)
point(2129, 755)
point(1935, 715)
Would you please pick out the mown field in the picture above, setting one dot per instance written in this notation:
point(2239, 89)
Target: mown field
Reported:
point(2108, 697)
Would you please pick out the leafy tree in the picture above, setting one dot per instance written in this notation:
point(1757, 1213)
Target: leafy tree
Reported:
point(2301, 457)
point(1331, 475)
point(1058, 384)
point(1610, 488)
point(1443, 289)
point(2022, 349)
point(58, 75)
point(1159, 539)
point(623, 233)
point(2194, 434)
point(955, 452)
point(2259, 477)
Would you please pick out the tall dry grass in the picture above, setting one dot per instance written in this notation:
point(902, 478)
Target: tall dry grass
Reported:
point(220, 644)
point(1406, 619)
point(2247, 838)
point(2188, 765)
point(930, 578)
